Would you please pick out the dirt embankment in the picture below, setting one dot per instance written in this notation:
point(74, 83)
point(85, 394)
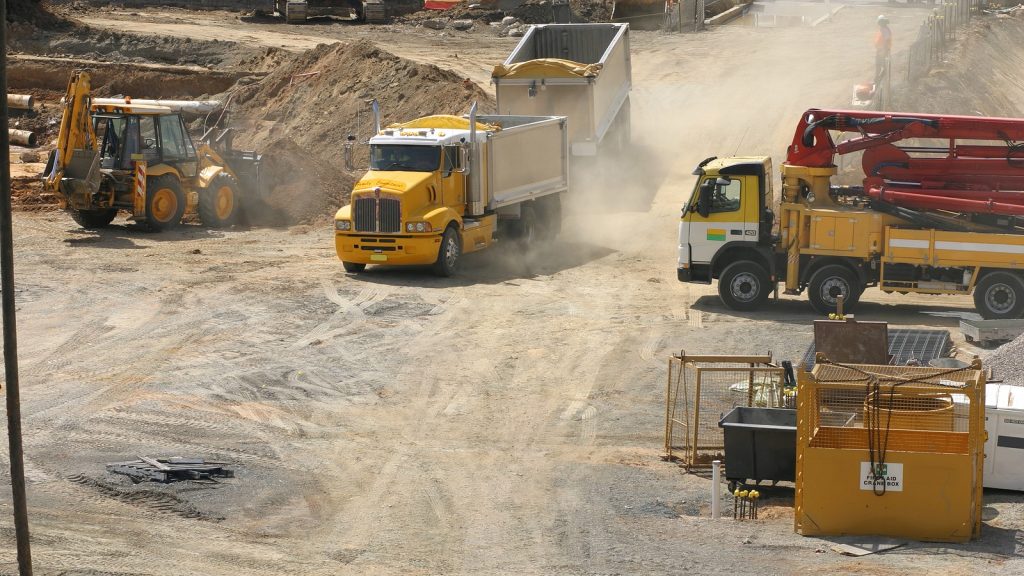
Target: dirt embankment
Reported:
point(980, 75)
point(301, 115)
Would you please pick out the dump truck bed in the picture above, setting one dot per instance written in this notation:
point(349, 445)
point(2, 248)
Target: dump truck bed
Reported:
point(581, 71)
point(526, 159)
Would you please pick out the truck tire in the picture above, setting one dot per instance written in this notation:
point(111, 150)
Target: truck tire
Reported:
point(165, 202)
point(744, 286)
point(828, 283)
point(353, 267)
point(1000, 296)
point(449, 253)
point(219, 203)
point(550, 208)
point(91, 219)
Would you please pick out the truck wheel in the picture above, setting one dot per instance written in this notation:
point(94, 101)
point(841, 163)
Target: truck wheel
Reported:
point(353, 267)
point(219, 202)
point(744, 286)
point(550, 208)
point(448, 254)
point(828, 283)
point(93, 218)
point(999, 296)
point(165, 202)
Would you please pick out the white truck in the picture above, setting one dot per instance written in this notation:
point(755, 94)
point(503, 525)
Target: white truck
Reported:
point(581, 71)
point(442, 186)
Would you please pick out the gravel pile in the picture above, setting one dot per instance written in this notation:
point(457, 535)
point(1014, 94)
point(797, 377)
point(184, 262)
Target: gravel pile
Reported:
point(1007, 362)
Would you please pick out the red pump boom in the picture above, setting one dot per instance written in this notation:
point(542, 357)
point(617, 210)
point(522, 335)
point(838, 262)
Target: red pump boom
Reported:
point(957, 163)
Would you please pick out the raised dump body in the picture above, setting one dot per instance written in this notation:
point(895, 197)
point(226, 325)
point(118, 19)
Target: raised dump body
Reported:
point(581, 71)
point(441, 186)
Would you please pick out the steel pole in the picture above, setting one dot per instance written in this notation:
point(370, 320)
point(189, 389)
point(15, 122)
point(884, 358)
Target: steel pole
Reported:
point(10, 327)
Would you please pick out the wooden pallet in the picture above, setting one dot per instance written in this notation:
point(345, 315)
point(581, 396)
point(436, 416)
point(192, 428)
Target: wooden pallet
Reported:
point(171, 469)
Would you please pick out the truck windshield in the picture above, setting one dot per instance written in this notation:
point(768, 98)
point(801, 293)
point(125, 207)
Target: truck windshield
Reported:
point(405, 157)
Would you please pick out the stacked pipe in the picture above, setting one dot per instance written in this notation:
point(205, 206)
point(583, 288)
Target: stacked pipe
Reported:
point(1001, 202)
point(21, 137)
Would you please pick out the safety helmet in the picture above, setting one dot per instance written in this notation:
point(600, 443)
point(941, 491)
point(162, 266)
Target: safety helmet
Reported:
point(882, 19)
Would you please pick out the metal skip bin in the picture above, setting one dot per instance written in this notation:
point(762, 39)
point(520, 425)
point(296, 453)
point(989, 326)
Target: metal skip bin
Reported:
point(907, 465)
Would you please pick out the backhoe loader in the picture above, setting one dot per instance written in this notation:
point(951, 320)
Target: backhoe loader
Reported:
point(140, 159)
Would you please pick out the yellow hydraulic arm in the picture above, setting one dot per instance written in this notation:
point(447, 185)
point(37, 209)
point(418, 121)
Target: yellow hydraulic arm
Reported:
point(76, 131)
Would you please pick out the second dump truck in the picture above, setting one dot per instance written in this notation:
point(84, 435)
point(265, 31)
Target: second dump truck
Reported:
point(940, 211)
point(580, 71)
point(442, 186)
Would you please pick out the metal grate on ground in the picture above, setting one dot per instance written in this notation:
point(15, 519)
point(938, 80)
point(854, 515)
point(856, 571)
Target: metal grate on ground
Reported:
point(703, 389)
point(905, 344)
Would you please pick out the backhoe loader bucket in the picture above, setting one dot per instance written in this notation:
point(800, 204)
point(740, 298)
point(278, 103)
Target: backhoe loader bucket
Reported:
point(640, 14)
point(81, 179)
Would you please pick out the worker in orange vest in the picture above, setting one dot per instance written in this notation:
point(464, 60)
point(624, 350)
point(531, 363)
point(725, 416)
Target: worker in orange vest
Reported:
point(883, 47)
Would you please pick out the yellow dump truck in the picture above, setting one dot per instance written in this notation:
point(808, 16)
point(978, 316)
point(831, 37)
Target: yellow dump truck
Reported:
point(442, 186)
point(939, 212)
point(580, 71)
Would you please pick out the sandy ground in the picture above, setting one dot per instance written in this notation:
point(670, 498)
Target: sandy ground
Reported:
point(505, 421)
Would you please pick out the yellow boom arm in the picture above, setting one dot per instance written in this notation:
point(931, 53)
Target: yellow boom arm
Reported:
point(76, 132)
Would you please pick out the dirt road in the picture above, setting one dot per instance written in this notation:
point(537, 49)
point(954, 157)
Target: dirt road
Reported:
point(505, 421)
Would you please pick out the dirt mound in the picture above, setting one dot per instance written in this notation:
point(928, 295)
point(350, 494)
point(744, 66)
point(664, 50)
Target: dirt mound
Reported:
point(85, 43)
point(483, 12)
point(541, 11)
point(34, 12)
point(530, 12)
point(980, 76)
point(301, 188)
point(303, 112)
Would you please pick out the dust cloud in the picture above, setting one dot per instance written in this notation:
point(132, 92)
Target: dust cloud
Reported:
point(686, 107)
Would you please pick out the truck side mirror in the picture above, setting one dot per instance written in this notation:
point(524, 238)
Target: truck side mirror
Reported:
point(704, 200)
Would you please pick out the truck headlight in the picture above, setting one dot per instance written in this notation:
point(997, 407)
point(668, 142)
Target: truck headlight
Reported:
point(418, 227)
point(343, 225)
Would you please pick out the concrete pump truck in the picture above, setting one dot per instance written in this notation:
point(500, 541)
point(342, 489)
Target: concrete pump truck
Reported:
point(940, 210)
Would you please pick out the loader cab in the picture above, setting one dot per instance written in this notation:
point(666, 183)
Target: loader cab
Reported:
point(728, 209)
point(152, 133)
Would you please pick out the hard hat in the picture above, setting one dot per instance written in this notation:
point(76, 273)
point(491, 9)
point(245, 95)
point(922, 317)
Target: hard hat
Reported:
point(882, 19)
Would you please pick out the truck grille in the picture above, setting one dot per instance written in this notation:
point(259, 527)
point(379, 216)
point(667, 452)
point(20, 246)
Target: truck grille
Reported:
point(378, 215)
point(390, 215)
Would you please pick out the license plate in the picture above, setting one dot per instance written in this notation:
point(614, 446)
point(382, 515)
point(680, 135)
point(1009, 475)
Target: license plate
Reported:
point(379, 257)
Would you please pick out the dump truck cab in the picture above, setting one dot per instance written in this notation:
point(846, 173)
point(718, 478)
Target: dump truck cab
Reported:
point(414, 191)
point(441, 186)
point(728, 218)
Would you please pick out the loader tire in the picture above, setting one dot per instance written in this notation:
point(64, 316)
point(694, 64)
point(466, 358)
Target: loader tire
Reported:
point(219, 203)
point(353, 267)
point(828, 283)
point(744, 286)
point(1000, 296)
point(92, 219)
point(165, 202)
point(449, 253)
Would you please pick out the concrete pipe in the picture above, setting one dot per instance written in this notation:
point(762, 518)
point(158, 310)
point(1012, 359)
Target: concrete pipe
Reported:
point(20, 101)
point(190, 106)
point(21, 137)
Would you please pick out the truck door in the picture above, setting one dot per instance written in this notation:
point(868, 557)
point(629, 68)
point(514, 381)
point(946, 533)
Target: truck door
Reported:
point(453, 179)
point(730, 216)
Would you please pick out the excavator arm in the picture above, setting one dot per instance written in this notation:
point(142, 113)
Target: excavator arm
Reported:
point(73, 165)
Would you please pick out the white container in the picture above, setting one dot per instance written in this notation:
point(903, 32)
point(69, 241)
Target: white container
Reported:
point(1004, 448)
